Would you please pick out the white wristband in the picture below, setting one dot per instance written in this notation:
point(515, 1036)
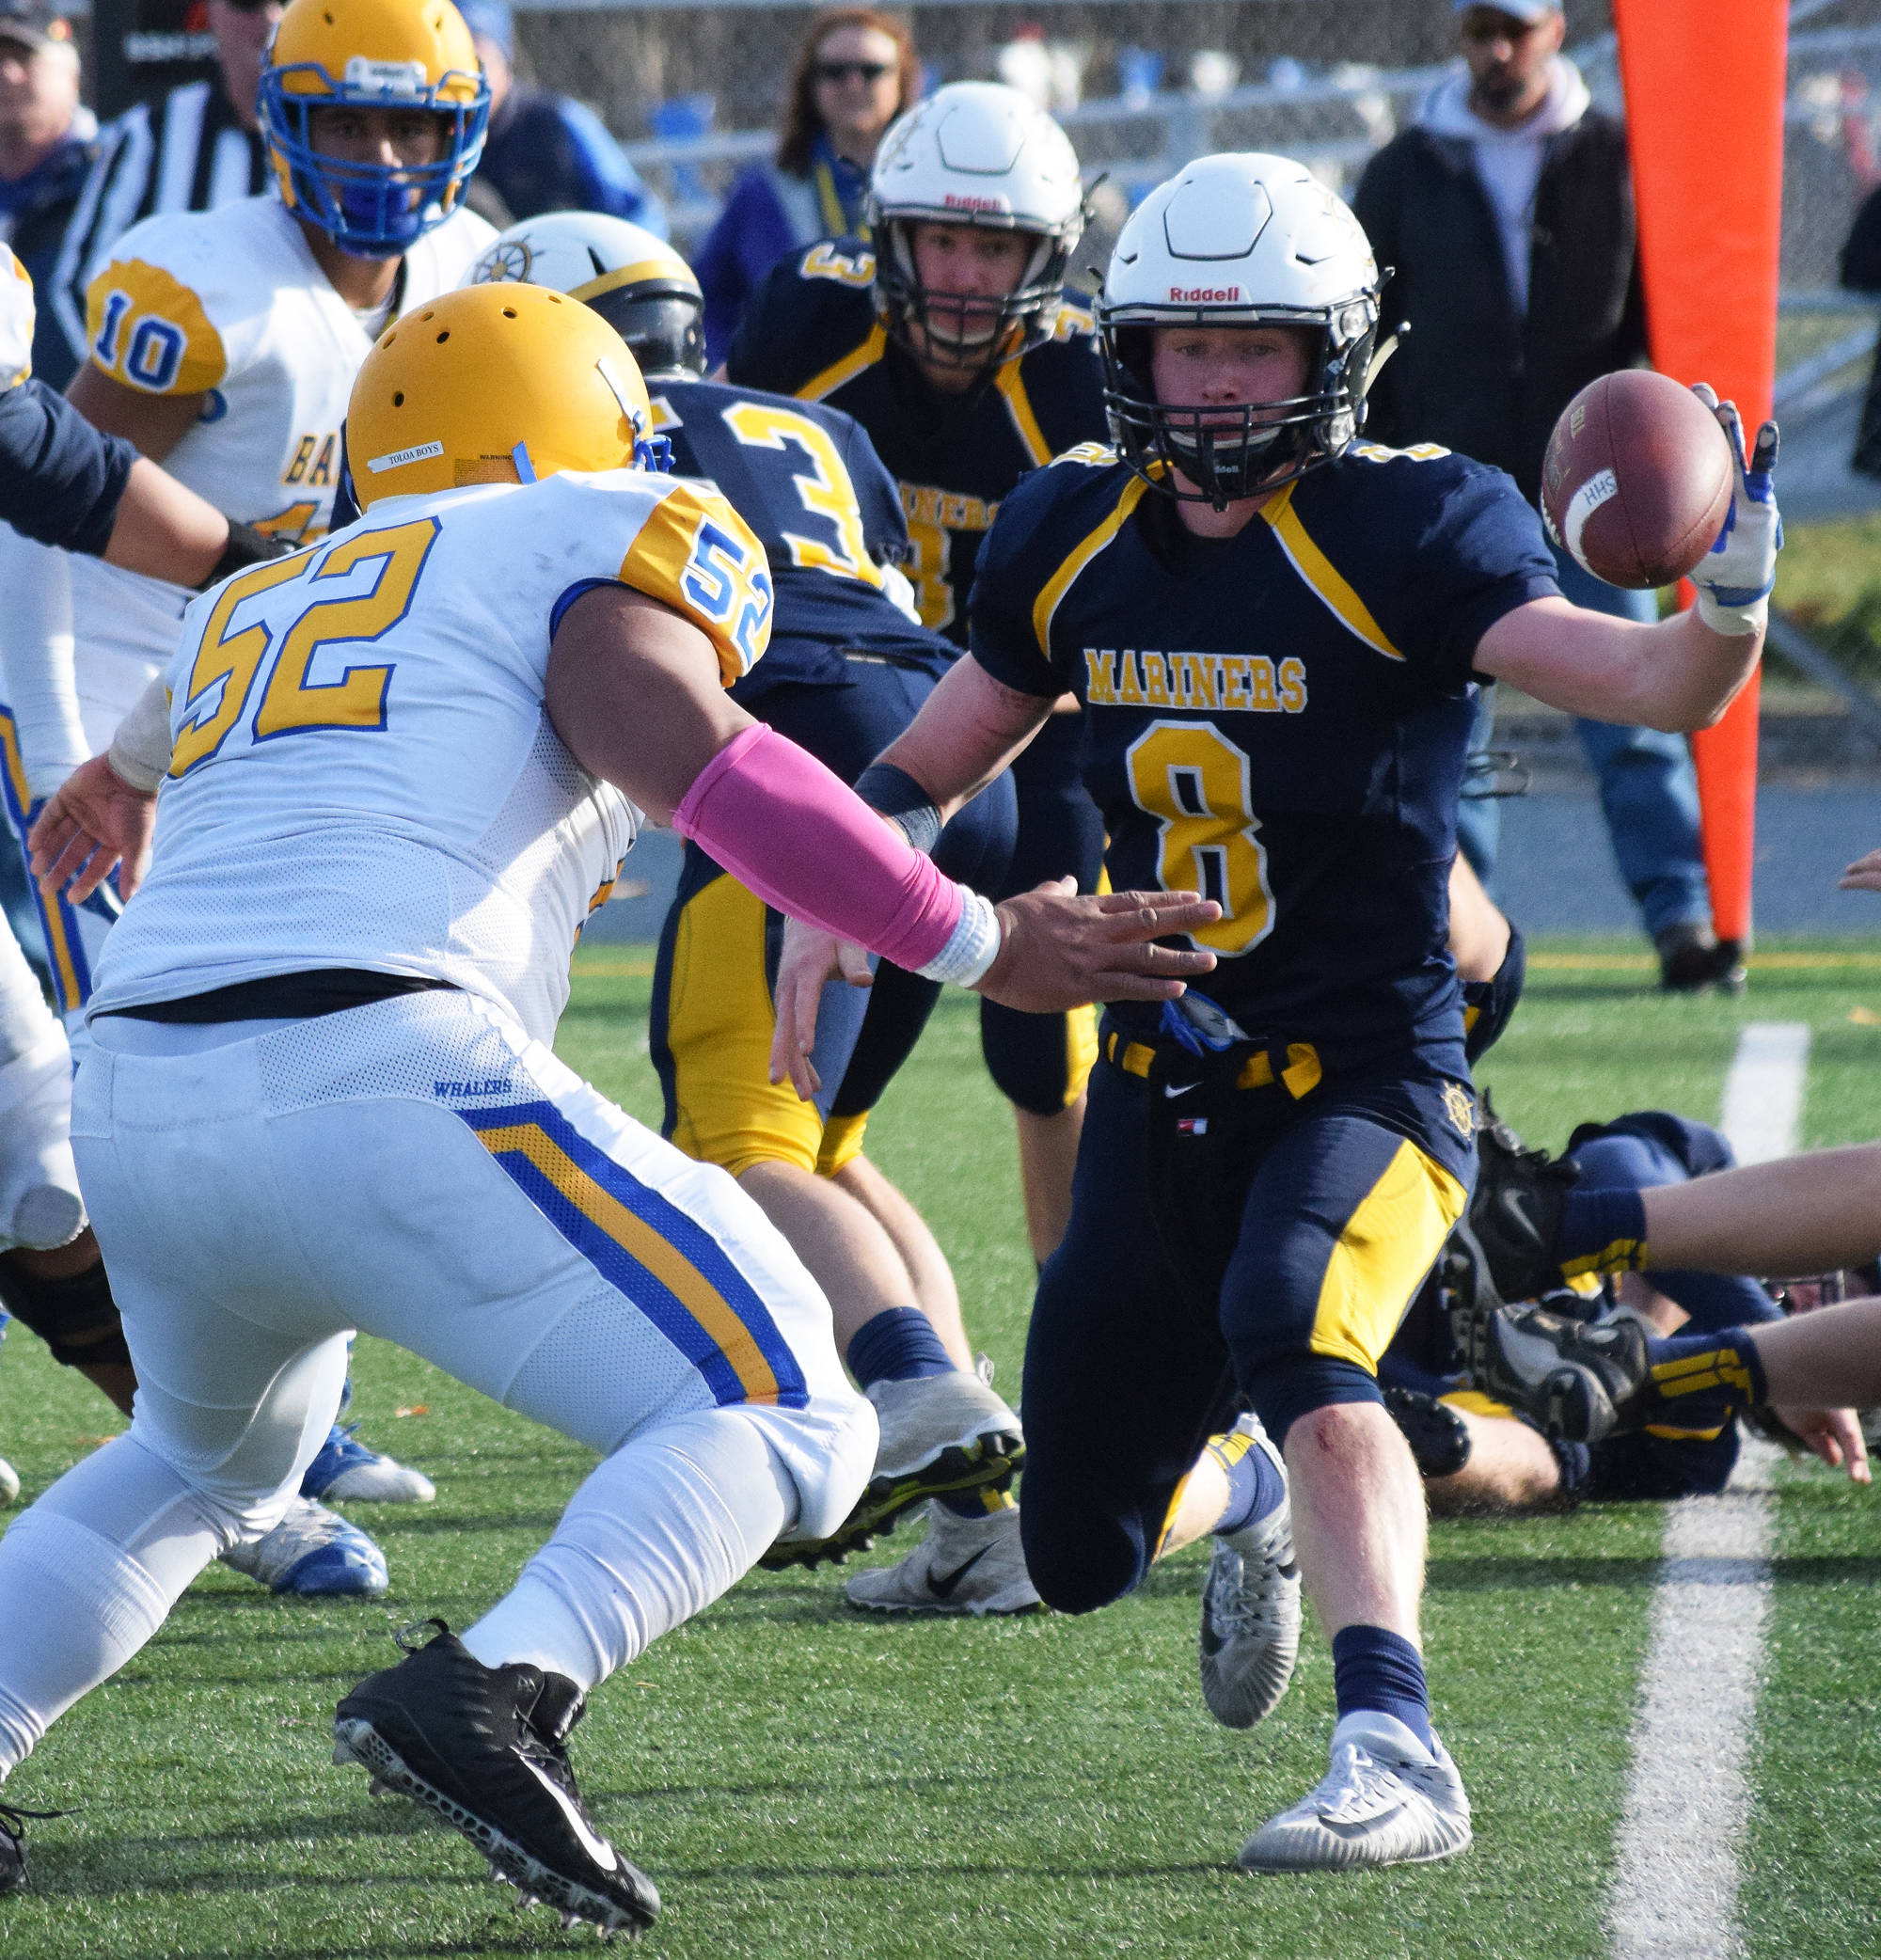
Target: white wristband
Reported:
point(1733, 621)
point(973, 945)
point(140, 751)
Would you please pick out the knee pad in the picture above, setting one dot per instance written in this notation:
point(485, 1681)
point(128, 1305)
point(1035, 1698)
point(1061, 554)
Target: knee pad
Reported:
point(77, 1317)
point(1040, 1062)
point(1488, 1005)
point(1293, 1385)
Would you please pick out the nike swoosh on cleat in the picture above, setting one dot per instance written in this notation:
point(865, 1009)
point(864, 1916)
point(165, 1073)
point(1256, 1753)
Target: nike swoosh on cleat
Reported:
point(941, 1585)
point(598, 1848)
point(1513, 1203)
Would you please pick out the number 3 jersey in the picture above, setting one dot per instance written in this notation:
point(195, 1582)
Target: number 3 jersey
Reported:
point(365, 774)
point(811, 331)
point(229, 305)
point(1277, 719)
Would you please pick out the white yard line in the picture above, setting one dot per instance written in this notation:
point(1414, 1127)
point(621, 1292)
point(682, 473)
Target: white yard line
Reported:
point(1687, 1802)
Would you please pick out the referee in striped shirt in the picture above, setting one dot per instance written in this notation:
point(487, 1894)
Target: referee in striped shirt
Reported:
point(197, 148)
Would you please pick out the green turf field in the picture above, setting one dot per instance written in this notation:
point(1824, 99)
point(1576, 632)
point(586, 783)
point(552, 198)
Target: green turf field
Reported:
point(802, 1781)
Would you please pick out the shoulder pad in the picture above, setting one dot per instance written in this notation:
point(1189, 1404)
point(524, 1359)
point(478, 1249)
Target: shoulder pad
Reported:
point(829, 261)
point(1093, 455)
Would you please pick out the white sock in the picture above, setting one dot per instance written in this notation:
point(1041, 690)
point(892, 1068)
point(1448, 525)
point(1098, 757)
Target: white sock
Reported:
point(657, 1532)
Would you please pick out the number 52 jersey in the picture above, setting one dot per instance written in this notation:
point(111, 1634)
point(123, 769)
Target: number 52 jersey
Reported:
point(364, 772)
point(1277, 719)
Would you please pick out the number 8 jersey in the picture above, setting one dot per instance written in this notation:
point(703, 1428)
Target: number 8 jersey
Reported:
point(364, 772)
point(1277, 719)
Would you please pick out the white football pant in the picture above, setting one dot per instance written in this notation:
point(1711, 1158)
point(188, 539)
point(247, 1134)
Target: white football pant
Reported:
point(421, 1169)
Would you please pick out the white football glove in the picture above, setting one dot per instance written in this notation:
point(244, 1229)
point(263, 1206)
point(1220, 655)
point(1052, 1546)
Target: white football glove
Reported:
point(1736, 577)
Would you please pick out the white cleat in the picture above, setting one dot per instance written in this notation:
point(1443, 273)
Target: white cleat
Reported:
point(939, 1417)
point(1385, 1801)
point(314, 1551)
point(1250, 1635)
point(345, 1468)
point(9, 1483)
point(964, 1565)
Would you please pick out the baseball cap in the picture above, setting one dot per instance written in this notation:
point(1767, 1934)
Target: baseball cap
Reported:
point(32, 23)
point(1527, 11)
point(490, 20)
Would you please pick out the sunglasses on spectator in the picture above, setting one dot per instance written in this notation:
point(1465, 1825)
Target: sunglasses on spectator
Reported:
point(857, 70)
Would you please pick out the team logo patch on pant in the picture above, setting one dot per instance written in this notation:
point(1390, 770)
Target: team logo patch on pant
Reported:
point(1460, 1107)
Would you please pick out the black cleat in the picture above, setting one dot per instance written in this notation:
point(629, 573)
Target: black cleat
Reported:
point(1438, 1436)
point(1515, 1210)
point(486, 1748)
point(13, 1845)
point(1580, 1381)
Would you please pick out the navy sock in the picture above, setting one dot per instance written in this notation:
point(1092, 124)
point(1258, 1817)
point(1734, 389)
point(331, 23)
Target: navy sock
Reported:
point(1699, 1379)
point(1603, 1231)
point(1256, 1488)
point(898, 1345)
point(1373, 1667)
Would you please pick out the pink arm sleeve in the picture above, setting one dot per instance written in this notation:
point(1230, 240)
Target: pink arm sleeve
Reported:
point(790, 830)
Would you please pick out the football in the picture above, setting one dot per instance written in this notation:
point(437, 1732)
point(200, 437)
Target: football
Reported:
point(1636, 480)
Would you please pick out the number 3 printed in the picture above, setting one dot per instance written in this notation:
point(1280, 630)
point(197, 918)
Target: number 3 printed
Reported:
point(730, 590)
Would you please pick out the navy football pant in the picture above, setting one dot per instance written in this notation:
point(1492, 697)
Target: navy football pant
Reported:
point(1356, 1188)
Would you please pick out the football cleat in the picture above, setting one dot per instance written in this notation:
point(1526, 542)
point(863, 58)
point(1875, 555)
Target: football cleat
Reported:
point(1515, 1210)
point(1438, 1435)
point(13, 1845)
point(346, 1468)
point(10, 1482)
point(964, 1565)
point(487, 1749)
point(1387, 1800)
point(1580, 1381)
point(1250, 1635)
point(314, 1551)
point(940, 1433)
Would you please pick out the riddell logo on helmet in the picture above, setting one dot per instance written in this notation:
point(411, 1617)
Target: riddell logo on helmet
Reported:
point(1191, 295)
point(954, 201)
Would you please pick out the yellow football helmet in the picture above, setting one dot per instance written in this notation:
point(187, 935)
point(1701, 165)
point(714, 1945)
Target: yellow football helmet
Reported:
point(382, 55)
point(494, 385)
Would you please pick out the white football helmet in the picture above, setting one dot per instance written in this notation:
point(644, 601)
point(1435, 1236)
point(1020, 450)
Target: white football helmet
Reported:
point(974, 153)
point(1242, 239)
point(637, 283)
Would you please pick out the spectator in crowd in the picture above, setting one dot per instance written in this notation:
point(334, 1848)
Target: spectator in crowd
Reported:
point(1861, 273)
point(856, 72)
point(197, 148)
point(547, 152)
point(47, 144)
point(1507, 210)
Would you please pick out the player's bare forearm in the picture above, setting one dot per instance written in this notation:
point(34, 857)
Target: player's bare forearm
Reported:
point(1812, 1213)
point(634, 692)
point(165, 531)
point(967, 730)
point(1824, 1359)
point(1677, 675)
point(156, 423)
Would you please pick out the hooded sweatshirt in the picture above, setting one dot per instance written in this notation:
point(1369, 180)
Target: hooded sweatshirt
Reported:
point(1508, 161)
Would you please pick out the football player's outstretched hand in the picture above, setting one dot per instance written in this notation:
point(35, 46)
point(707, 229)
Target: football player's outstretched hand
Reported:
point(1835, 1435)
point(93, 821)
point(1864, 875)
point(1060, 950)
point(1736, 577)
point(809, 958)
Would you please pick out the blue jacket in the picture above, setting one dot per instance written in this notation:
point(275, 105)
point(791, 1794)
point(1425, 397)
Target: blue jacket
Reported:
point(33, 213)
point(547, 152)
point(770, 215)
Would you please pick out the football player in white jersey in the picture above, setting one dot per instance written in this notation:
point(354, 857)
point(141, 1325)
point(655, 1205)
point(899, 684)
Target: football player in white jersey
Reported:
point(401, 777)
point(224, 345)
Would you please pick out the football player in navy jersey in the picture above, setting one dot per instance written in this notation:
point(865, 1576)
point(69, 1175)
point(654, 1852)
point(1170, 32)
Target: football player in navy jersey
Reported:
point(952, 343)
point(847, 665)
point(1277, 633)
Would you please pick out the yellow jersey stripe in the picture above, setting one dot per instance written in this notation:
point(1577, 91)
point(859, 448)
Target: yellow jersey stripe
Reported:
point(642, 1244)
point(1319, 571)
point(1011, 384)
point(1061, 581)
point(852, 364)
